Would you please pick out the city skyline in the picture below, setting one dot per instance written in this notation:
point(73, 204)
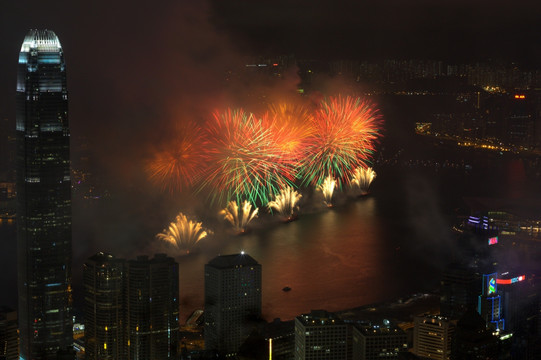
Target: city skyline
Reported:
point(132, 85)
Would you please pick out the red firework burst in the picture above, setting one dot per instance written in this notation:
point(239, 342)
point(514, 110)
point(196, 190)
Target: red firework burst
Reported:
point(179, 162)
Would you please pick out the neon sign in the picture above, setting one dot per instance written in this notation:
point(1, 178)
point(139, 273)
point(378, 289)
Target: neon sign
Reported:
point(511, 281)
point(493, 240)
point(491, 286)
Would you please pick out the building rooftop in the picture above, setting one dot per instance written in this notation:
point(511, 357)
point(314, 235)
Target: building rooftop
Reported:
point(41, 40)
point(232, 261)
point(320, 317)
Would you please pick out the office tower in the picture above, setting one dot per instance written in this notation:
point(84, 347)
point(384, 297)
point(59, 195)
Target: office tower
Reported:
point(9, 339)
point(472, 340)
point(43, 198)
point(104, 308)
point(432, 336)
point(321, 335)
point(232, 301)
point(459, 290)
point(490, 304)
point(378, 341)
point(152, 307)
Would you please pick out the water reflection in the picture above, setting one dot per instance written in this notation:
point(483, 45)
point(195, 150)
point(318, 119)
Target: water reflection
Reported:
point(334, 259)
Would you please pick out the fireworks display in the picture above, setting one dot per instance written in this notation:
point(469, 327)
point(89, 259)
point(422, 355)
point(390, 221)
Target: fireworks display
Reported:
point(184, 233)
point(239, 217)
point(291, 126)
point(178, 165)
point(238, 156)
point(327, 189)
point(345, 129)
point(362, 178)
point(286, 203)
point(245, 160)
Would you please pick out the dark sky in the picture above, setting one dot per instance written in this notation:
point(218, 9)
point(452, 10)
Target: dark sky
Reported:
point(454, 30)
point(126, 57)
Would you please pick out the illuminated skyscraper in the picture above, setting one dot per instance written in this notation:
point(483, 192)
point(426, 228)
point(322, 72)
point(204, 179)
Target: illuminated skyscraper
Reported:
point(104, 308)
point(43, 198)
point(490, 303)
point(232, 301)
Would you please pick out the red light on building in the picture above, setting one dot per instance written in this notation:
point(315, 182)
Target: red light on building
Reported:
point(511, 281)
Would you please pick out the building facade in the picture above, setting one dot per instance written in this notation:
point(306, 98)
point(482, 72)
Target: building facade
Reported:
point(375, 342)
point(432, 337)
point(321, 335)
point(43, 198)
point(9, 338)
point(152, 308)
point(232, 301)
point(104, 308)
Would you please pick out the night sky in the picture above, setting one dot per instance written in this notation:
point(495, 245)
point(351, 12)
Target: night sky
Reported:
point(135, 62)
point(136, 67)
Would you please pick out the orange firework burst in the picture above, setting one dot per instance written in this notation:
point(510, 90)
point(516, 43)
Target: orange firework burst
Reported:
point(291, 126)
point(345, 129)
point(180, 162)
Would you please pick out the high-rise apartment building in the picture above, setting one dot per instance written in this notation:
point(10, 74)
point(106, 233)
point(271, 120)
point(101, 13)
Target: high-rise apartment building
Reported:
point(152, 308)
point(432, 337)
point(43, 198)
point(232, 301)
point(104, 308)
point(321, 335)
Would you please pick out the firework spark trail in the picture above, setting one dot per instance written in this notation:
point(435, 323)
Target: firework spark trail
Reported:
point(245, 160)
point(291, 125)
point(286, 202)
point(184, 233)
point(327, 189)
point(239, 217)
point(345, 129)
point(362, 178)
point(179, 165)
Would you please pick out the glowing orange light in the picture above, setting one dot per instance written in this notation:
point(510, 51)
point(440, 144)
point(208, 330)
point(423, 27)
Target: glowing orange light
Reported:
point(520, 96)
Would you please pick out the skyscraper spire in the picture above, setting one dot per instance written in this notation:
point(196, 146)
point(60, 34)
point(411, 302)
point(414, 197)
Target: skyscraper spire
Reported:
point(43, 198)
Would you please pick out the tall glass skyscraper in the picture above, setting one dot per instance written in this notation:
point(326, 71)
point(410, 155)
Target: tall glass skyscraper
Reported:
point(43, 198)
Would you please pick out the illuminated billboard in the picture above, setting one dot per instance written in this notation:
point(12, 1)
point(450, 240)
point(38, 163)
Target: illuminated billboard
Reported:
point(493, 240)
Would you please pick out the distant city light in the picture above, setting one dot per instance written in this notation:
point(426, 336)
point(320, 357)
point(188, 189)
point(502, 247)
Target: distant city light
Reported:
point(493, 240)
point(520, 96)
